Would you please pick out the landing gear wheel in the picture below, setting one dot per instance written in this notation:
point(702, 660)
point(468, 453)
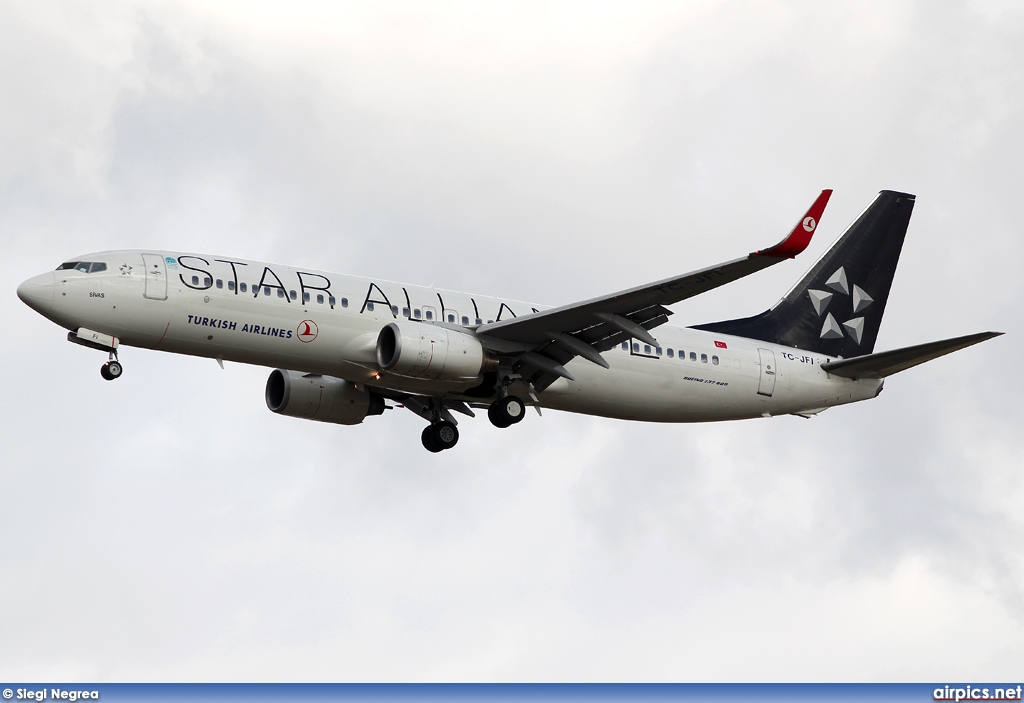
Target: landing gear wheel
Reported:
point(506, 411)
point(446, 434)
point(514, 408)
point(440, 436)
point(428, 439)
point(111, 370)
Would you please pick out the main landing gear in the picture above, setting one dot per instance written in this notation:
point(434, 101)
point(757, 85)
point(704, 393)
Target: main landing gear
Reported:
point(112, 369)
point(507, 411)
point(442, 434)
point(439, 436)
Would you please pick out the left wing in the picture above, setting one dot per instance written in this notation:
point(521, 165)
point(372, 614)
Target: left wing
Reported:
point(546, 341)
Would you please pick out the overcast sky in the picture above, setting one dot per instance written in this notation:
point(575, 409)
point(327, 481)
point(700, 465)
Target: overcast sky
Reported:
point(169, 527)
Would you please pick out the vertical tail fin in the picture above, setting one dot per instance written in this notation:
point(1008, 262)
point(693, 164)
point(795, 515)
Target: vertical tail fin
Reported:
point(837, 308)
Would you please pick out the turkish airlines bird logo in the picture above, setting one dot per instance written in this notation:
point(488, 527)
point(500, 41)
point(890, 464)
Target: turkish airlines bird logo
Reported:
point(306, 331)
point(809, 224)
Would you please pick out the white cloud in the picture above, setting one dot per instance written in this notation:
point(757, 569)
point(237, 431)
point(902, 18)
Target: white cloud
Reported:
point(169, 527)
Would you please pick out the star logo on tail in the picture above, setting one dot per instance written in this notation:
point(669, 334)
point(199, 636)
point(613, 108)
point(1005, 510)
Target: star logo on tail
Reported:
point(838, 284)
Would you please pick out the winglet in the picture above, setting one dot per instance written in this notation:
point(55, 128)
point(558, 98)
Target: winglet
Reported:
point(800, 237)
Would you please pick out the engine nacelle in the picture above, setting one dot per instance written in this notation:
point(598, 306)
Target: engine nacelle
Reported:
point(322, 398)
point(420, 350)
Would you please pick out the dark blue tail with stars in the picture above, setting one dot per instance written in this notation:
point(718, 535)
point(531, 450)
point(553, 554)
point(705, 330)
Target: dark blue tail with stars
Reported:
point(837, 308)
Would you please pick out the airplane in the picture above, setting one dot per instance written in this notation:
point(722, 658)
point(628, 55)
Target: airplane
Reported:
point(345, 348)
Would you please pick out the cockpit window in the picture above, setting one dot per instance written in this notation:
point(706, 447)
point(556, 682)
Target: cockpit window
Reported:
point(83, 266)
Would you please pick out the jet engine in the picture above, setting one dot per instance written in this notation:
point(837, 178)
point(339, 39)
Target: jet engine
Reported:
point(421, 350)
point(322, 398)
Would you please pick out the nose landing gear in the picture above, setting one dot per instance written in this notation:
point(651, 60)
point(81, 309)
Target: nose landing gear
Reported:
point(112, 369)
point(103, 342)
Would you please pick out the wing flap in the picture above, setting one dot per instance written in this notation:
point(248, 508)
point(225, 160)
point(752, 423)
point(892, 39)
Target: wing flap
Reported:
point(887, 363)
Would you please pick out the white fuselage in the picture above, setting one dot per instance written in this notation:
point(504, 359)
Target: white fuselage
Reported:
point(328, 324)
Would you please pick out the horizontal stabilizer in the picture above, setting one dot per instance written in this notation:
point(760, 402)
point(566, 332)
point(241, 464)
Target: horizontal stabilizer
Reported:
point(887, 363)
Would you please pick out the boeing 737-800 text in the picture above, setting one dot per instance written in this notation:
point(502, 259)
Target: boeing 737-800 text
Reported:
point(346, 348)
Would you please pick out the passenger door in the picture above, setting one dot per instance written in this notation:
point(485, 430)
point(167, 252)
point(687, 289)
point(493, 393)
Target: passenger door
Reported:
point(156, 277)
point(766, 384)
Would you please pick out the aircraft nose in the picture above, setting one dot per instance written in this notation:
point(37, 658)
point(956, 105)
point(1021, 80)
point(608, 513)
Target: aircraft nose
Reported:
point(37, 292)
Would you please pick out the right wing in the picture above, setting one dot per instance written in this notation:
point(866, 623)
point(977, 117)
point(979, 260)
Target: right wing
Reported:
point(545, 341)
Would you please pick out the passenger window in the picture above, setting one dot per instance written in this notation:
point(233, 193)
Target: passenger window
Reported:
point(636, 348)
point(231, 285)
point(242, 287)
point(669, 353)
point(394, 310)
point(647, 349)
point(220, 283)
point(280, 292)
point(465, 320)
point(451, 318)
point(207, 281)
point(714, 360)
point(625, 346)
point(430, 314)
point(330, 301)
point(479, 321)
point(344, 302)
point(369, 306)
point(693, 356)
point(266, 290)
point(416, 313)
point(405, 312)
point(320, 299)
point(305, 297)
point(704, 358)
point(293, 295)
point(195, 280)
point(657, 350)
